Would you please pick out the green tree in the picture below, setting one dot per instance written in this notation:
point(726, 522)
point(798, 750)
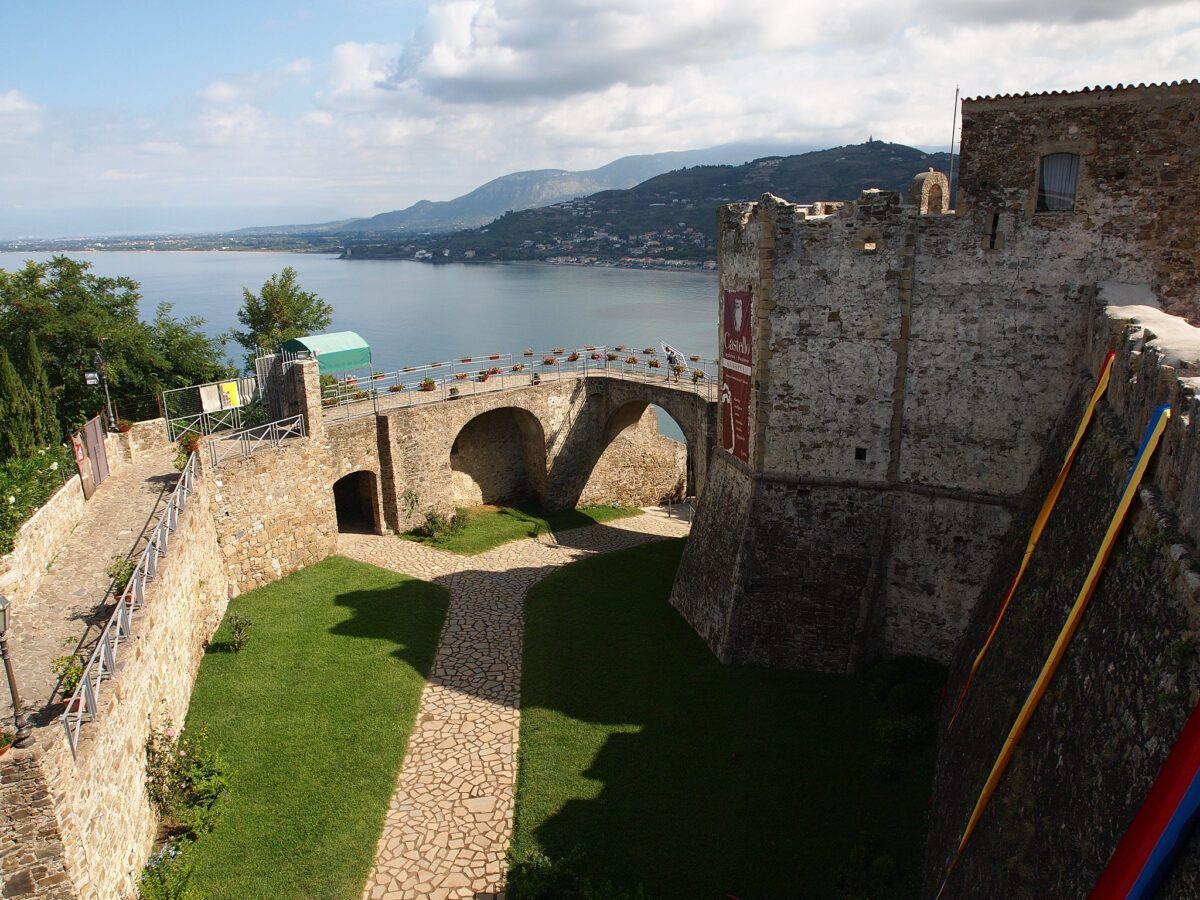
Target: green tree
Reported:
point(76, 315)
point(16, 433)
point(279, 312)
point(43, 410)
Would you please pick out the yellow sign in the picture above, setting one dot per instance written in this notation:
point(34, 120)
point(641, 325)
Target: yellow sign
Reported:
point(229, 394)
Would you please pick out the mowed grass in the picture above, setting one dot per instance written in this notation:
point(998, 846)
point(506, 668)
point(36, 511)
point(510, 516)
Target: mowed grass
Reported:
point(491, 526)
point(313, 718)
point(645, 762)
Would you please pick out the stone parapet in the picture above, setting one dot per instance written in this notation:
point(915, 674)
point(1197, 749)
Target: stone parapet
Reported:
point(39, 541)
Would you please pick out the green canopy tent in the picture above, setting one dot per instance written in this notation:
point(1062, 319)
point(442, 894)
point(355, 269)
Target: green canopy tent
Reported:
point(341, 351)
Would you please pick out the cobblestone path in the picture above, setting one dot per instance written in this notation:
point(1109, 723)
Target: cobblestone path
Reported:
point(73, 602)
point(447, 830)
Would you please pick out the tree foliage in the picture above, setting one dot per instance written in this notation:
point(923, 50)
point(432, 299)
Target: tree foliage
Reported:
point(279, 312)
point(16, 433)
point(43, 409)
point(73, 319)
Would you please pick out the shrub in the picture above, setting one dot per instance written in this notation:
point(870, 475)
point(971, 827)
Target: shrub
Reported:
point(535, 876)
point(189, 441)
point(239, 632)
point(69, 669)
point(168, 874)
point(25, 484)
point(185, 781)
point(438, 526)
point(120, 570)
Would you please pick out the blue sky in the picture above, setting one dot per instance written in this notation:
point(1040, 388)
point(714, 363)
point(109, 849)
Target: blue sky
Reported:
point(137, 116)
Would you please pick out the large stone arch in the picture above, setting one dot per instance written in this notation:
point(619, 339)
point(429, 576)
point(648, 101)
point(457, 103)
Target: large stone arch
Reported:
point(499, 456)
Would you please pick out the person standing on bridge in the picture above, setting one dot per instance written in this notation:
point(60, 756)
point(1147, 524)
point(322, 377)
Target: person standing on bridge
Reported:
point(672, 363)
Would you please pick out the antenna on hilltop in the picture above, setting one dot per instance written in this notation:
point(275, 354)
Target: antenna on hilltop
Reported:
point(953, 131)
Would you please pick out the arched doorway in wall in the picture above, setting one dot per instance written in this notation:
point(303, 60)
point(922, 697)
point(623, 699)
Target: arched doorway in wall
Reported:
point(646, 460)
point(354, 500)
point(499, 457)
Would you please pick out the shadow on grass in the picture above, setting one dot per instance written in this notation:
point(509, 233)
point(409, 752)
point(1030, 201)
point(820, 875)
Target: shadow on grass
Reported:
point(691, 779)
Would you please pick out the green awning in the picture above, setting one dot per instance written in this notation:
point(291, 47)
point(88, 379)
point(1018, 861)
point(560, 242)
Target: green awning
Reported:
point(341, 351)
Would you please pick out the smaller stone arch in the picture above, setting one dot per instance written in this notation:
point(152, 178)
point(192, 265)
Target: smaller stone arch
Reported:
point(637, 465)
point(356, 503)
point(930, 192)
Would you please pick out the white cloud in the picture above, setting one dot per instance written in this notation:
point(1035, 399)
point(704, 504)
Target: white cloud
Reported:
point(486, 87)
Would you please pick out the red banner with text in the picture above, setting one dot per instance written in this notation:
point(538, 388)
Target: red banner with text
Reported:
point(736, 369)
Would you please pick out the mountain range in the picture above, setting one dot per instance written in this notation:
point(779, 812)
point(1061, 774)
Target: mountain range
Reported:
point(668, 218)
point(525, 190)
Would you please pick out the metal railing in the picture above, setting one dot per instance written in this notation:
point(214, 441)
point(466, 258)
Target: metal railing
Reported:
point(360, 395)
point(244, 444)
point(84, 703)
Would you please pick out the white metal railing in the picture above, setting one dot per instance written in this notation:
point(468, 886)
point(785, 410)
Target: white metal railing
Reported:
point(84, 702)
point(245, 443)
point(358, 395)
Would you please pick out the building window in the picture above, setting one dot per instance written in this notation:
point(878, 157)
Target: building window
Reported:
point(1058, 177)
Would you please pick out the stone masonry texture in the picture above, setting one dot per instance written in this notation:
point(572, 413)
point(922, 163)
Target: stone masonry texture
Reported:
point(910, 366)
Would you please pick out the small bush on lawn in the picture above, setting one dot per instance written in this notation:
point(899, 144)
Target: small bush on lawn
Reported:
point(535, 876)
point(438, 526)
point(239, 631)
point(185, 780)
point(168, 874)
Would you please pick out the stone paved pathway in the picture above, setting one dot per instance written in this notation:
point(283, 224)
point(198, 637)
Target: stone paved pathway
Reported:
point(73, 601)
point(447, 831)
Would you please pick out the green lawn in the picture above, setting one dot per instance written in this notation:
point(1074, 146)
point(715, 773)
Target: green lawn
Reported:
point(313, 717)
point(491, 526)
point(644, 762)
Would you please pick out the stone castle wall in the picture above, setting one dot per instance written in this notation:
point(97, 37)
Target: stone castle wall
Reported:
point(909, 368)
point(1130, 677)
point(1139, 182)
point(39, 540)
point(88, 819)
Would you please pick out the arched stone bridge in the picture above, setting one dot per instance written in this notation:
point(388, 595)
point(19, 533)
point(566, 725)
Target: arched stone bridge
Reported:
point(579, 439)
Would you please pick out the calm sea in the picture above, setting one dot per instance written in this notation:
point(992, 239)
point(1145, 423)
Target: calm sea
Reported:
point(415, 312)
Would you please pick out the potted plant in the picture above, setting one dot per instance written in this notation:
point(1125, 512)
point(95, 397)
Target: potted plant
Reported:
point(6, 739)
point(329, 401)
point(519, 367)
point(697, 376)
point(483, 376)
point(653, 363)
point(465, 359)
point(649, 351)
point(460, 376)
point(69, 669)
point(611, 357)
point(620, 348)
point(124, 425)
point(574, 357)
point(537, 379)
point(631, 360)
point(494, 370)
point(428, 384)
point(379, 376)
point(453, 393)
point(549, 360)
point(395, 388)
point(360, 395)
point(350, 381)
point(595, 355)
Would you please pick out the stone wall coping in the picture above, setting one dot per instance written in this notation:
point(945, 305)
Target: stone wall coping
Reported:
point(1121, 93)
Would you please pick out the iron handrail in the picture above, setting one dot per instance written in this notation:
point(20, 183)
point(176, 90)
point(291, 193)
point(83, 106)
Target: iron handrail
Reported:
point(245, 443)
point(84, 703)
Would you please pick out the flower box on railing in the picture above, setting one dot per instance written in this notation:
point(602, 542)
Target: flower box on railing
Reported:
point(494, 356)
point(519, 367)
point(653, 363)
point(574, 357)
point(465, 359)
point(427, 384)
point(494, 370)
point(631, 360)
point(460, 376)
point(611, 357)
point(395, 388)
point(379, 376)
point(595, 356)
point(409, 369)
